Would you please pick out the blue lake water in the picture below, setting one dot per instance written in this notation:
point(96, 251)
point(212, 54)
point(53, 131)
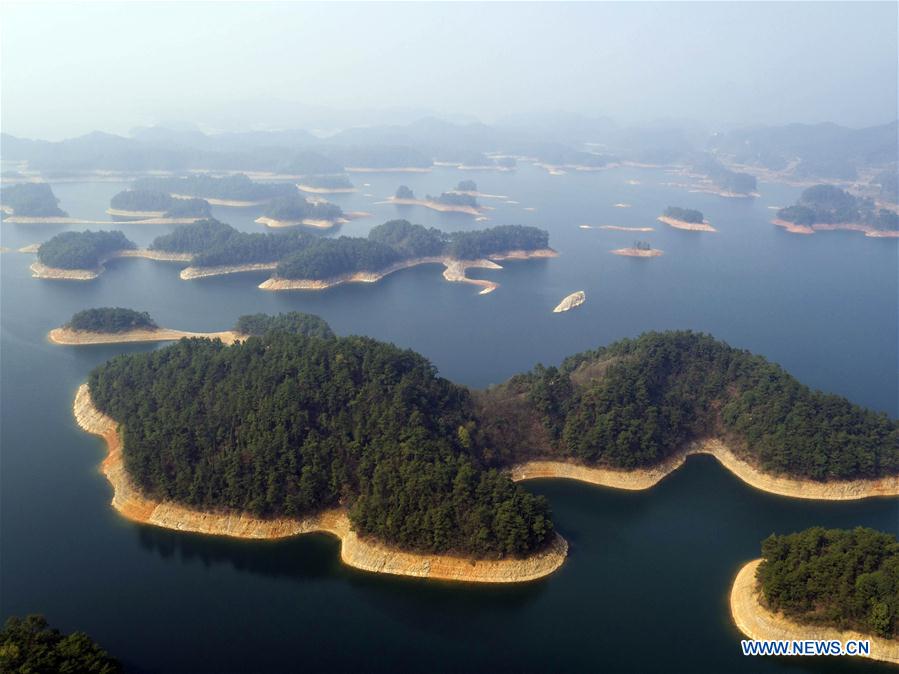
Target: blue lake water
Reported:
point(646, 584)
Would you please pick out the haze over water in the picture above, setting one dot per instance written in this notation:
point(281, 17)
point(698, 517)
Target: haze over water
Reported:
point(645, 587)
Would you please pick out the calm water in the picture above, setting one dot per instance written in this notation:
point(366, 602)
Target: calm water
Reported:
point(646, 584)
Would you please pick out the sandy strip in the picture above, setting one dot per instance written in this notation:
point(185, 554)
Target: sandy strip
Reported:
point(618, 228)
point(69, 337)
point(308, 222)
point(644, 478)
point(325, 190)
point(479, 195)
point(758, 622)
point(689, 226)
point(139, 215)
point(24, 220)
point(637, 252)
point(409, 169)
point(621, 205)
point(360, 553)
point(233, 203)
point(30, 248)
point(433, 205)
point(792, 227)
point(39, 270)
point(454, 271)
point(190, 273)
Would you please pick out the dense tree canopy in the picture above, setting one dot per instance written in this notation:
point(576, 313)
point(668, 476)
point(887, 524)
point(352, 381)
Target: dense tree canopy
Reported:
point(294, 207)
point(237, 187)
point(409, 240)
point(31, 646)
point(294, 322)
point(637, 401)
point(404, 192)
point(82, 250)
point(111, 319)
point(684, 214)
point(847, 579)
point(831, 205)
point(152, 200)
point(485, 242)
point(467, 186)
point(455, 199)
point(327, 258)
point(286, 424)
point(31, 199)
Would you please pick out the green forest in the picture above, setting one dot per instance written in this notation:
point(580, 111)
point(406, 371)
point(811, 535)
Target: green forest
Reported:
point(151, 200)
point(286, 424)
point(237, 187)
point(848, 579)
point(111, 319)
point(34, 200)
point(294, 207)
point(82, 250)
point(831, 205)
point(637, 401)
point(455, 199)
point(30, 646)
point(294, 322)
point(684, 214)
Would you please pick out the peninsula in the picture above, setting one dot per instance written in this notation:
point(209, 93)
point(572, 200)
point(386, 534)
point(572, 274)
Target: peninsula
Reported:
point(826, 207)
point(440, 513)
point(447, 202)
point(30, 200)
point(823, 584)
point(685, 218)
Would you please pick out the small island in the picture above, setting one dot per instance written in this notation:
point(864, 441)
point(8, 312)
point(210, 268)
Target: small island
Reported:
point(447, 202)
point(326, 184)
point(571, 301)
point(294, 210)
point(116, 325)
point(639, 249)
point(78, 256)
point(442, 511)
point(826, 207)
point(34, 202)
point(826, 584)
point(161, 207)
point(685, 218)
point(236, 191)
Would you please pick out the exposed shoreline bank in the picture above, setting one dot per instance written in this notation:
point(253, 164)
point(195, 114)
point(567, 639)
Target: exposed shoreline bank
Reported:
point(637, 252)
point(645, 478)
point(869, 231)
point(455, 271)
point(68, 337)
point(306, 222)
point(758, 622)
point(689, 226)
point(435, 206)
point(39, 270)
point(233, 203)
point(360, 553)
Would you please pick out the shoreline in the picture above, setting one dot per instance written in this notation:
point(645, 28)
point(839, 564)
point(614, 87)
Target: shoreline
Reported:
point(190, 273)
point(454, 271)
point(637, 252)
point(66, 220)
point(307, 222)
point(360, 553)
point(435, 206)
point(233, 203)
point(402, 169)
point(689, 226)
point(645, 478)
point(868, 231)
point(618, 228)
point(40, 270)
point(138, 215)
point(67, 337)
point(324, 190)
point(758, 622)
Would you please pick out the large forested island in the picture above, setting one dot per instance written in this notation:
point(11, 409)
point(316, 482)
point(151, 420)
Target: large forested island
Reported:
point(826, 207)
point(78, 255)
point(823, 584)
point(231, 190)
point(455, 201)
point(685, 218)
point(30, 645)
point(293, 209)
point(154, 204)
point(286, 433)
point(33, 200)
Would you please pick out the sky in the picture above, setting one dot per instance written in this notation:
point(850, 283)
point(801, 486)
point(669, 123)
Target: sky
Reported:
point(67, 69)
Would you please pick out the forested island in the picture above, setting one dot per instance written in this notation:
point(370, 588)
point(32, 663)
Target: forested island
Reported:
point(81, 254)
point(293, 209)
point(639, 249)
point(685, 218)
point(457, 201)
point(231, 190)
point(34, 200)
point(30, 645)
point(827, 207)
point(823, 584)
point(155, 204)
point(334, 417)
point(111, 319)
point(326, 184)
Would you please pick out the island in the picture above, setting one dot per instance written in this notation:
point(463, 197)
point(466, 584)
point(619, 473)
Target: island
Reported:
point(469, 188)
point(720, 180)
point(236, 190)
point(326, 184)
point(326, 447)
point(685, 218)
point(823, 584)
point(447, 202)
point(78, 256)
point(149, 204)
point(398, 244)
point(31, 200)
point(639, 249)
point(827, 207)
point(30, 645)
point(571, 301)
point(294, 210)
point(381, 159)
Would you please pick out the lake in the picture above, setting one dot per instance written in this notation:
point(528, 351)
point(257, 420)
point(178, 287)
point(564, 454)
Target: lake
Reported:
point(646, 585)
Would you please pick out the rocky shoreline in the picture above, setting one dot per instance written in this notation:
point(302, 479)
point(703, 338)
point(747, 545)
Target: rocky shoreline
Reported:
point(68, 337)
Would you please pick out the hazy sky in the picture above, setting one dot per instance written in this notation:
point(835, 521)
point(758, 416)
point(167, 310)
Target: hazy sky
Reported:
point(70, 68)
